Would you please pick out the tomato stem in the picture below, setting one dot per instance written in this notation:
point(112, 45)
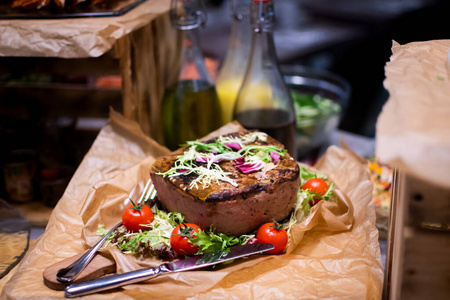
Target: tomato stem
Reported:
point(276, 225)
point(137, 207)
point(185, 231)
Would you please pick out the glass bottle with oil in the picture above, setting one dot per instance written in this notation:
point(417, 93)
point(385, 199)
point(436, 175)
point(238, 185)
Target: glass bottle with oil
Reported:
point(190, 107)
point(264, 101)
point(232, 72)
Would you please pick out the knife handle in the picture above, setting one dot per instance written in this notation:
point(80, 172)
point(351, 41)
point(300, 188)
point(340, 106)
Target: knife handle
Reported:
point(113, 281)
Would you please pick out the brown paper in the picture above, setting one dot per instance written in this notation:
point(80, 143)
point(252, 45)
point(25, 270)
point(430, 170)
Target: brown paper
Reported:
point(345, 263)
point(413, 129)
point(107, 201)
point(74, 38)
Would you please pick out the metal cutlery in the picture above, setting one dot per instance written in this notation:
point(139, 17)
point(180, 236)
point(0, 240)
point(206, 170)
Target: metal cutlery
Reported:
point(68, 274)
point(187, 264)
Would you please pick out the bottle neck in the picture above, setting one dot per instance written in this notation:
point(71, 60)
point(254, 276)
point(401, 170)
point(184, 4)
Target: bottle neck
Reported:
point(262, 16)
point(187, 14)
point(262, 53)
point(193, 65)
point(241, 32)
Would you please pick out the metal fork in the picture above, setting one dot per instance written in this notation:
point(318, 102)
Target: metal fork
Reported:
point(148, 193)
point(68, 274)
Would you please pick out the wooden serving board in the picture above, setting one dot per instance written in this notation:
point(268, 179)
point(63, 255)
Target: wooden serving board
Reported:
point(98, 267)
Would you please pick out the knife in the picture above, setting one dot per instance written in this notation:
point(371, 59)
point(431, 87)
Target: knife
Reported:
point(187, 264)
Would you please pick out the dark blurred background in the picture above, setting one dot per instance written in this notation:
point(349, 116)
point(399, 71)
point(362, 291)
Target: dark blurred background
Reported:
point(53, 109)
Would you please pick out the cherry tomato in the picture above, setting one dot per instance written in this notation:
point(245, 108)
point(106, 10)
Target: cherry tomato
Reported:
point(317, 186)
point(274, 234)
point(179, 239)
point(135, 215)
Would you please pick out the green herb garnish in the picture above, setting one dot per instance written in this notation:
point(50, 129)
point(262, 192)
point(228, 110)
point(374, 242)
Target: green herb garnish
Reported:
point(193, 160)
point(210, 241)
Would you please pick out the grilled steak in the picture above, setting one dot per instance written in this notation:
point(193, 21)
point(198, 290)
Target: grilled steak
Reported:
point(231, 208)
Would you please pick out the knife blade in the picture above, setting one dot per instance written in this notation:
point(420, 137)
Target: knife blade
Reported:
point(190, 263)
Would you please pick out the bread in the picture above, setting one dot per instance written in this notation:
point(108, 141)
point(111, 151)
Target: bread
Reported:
point(233, 207)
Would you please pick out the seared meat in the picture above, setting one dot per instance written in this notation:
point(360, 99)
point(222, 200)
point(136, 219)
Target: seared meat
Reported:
point(259, 196)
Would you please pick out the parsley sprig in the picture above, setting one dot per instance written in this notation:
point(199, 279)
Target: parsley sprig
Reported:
point(210, 241)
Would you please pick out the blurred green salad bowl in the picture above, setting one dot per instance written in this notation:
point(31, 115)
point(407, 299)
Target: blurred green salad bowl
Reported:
point(320, 99)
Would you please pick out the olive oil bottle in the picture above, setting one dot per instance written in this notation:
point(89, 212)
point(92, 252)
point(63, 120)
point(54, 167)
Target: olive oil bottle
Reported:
point(190, 107)
point(190, 111)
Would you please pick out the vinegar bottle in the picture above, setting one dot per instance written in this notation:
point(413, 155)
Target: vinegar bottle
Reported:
point(231, 74)
point(264, 101)
point(190, 107)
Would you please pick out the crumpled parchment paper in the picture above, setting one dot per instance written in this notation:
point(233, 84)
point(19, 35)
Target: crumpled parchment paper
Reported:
point(340, 263)
point(74, 38)
point(413, 129)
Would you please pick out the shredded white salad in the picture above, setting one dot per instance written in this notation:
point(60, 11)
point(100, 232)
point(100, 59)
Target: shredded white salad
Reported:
point(202, 159)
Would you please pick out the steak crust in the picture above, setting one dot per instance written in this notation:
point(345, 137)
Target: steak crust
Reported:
point(259, 197)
